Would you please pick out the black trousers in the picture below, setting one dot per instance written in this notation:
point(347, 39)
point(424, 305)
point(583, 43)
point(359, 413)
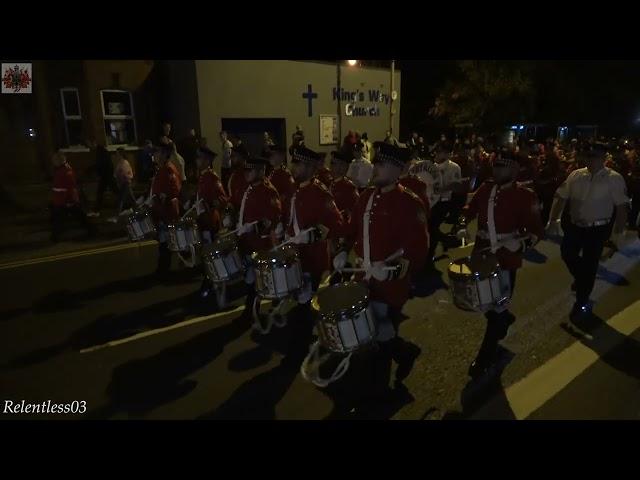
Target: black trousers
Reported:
point(498, 324)
point(439, 213)
point(58, 215)
point(589, 242)
point(105, 183)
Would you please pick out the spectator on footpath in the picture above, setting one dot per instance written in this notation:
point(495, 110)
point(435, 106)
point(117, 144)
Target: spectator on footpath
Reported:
point(104, 170)
point(145, 162)
point(225, 166)
point(166, 136)
point(189, 151)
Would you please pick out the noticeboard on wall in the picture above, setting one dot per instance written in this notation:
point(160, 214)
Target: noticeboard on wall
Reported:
point(329, 130)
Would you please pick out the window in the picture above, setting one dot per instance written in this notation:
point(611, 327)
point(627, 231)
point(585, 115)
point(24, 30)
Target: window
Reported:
point(119, 117)
point(72, 116)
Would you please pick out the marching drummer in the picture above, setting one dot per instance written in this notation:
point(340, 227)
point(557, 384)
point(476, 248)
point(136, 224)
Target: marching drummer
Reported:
point(345, 194)
point(506, 214)
point(281, 177)
point(237, 184)
point(165, 207)
point(258, 218)
point(314, 219)
point(390, 239)
point(211, 201)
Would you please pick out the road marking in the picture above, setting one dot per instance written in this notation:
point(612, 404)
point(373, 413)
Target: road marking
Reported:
point(541, 385)
point(65, 256)
point(175, 326)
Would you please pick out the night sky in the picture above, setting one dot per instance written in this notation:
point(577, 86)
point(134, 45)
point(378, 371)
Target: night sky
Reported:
point(606, 93)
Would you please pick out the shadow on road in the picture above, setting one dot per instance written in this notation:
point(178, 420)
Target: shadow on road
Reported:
point(139, 386)
point(611, 277)
point(617, 350)
point(534, 256)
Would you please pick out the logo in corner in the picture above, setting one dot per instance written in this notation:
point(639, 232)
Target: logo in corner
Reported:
point(16, 77)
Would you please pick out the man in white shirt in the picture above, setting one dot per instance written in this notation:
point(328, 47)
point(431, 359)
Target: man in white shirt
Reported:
point(225, 165)
point(596, 195)
point(360, 170)
point(447, 179)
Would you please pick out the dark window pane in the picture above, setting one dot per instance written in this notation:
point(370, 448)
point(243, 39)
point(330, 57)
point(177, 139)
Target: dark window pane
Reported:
point(120, 132)
point(75, 131)
point(116, 103)
point(71, 104)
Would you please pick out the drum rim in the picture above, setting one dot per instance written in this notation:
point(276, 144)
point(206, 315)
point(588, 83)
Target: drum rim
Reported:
point(462, 276)
point(338, 314)
point(289, 262)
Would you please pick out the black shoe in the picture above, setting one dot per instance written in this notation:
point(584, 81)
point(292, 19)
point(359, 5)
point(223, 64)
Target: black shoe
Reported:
point(478, 368)
point(408, 357)
point(580, 310)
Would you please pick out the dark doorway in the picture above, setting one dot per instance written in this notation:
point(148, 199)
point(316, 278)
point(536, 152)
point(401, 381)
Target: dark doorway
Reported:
point(251, 131)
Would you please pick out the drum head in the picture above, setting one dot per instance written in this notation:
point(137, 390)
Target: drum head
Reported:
point(220, 245)
point(283, 256)
point(485, 264)
point(341, 297)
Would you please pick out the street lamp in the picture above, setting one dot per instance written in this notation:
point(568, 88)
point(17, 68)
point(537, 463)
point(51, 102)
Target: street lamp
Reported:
point(352, 63)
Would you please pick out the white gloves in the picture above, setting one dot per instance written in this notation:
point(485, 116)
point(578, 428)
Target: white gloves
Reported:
point(379, 272)
point(140, 201)
point(340, 260)
point(553, 228)
point(227, 222)
point(279, 231)
point(463, 234)
point(149, 201)
point(246, 228)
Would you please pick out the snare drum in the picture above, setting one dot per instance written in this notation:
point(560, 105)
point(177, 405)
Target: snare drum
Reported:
point(346, 321)
point(183, 234)
point(139, 225)
point(278, 273)
point(221, 259)
point(478, 284)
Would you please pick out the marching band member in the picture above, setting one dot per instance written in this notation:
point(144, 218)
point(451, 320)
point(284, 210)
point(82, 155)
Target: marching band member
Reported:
point(345, 194)
point(237, 184)
point(280, 177)
point(258, 217)
point(505, 212)
point(211, 201)
point(388, 220)
point(314, 219)
point(165, 189)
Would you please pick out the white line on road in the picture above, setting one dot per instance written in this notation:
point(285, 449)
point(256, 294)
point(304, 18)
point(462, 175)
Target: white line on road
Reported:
point(541, 385)
point(175, 326)
point(65, 256)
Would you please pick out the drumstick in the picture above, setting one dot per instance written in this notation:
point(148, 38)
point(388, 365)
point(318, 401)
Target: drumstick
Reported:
point(236, 230)
point(502, 244)
point(292, 238)
point(189, 211)
point(398, 253)
point(356, 270)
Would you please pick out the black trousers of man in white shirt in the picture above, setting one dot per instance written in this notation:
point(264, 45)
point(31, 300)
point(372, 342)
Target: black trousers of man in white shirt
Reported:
point(581, 250)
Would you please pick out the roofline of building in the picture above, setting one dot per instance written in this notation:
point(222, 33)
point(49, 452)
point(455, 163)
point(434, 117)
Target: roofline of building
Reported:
point(325, 62)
